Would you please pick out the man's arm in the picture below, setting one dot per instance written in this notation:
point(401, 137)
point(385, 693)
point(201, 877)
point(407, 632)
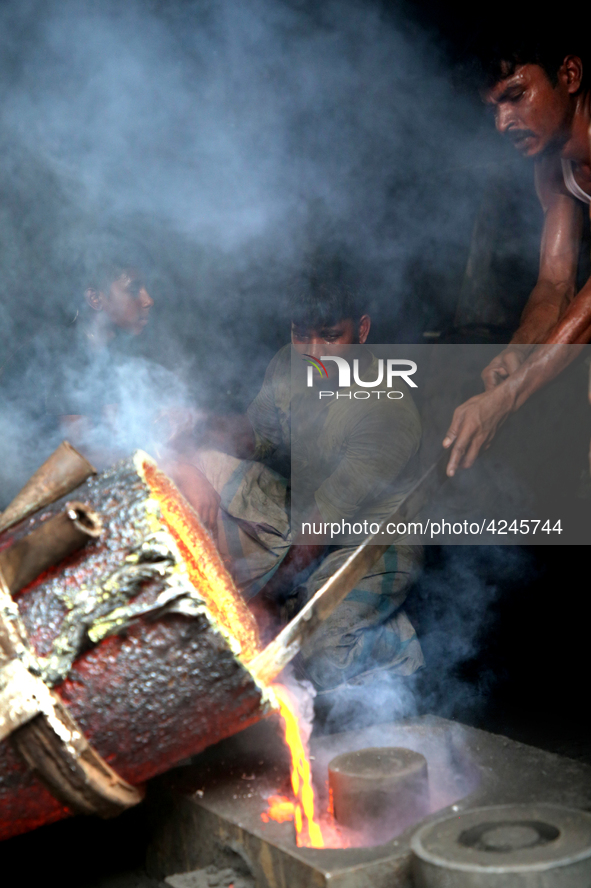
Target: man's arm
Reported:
point(236, 434)
point(231, 434)
point(476, 422)
point(376, 452)
point(556, 284)
point(299, 557)
point(552, 315)
point(559, 255)
point(574, 327)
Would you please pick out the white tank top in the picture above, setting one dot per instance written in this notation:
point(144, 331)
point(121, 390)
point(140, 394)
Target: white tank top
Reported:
point(569, 181)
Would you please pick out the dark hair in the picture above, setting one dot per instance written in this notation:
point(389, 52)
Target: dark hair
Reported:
point(101, 274)
point(325, 293)
point(105, 255)
point(499, 50)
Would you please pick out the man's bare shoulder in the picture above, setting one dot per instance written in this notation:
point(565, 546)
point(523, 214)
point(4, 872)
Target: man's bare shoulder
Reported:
point(549, 180)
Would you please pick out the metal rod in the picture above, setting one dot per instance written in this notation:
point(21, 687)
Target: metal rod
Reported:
point(274, 658)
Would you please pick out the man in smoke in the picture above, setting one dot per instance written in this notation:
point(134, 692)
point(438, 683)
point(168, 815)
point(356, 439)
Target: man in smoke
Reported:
point(350, 458)
point(82, 381)
point(538, 88)
point(116, 306)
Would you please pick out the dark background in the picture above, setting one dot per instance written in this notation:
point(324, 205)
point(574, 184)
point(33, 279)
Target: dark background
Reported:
point(505, 633)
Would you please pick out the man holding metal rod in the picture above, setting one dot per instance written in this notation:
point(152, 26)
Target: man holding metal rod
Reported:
point(538, 88)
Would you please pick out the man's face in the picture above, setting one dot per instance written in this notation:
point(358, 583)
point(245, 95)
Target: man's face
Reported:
point(532, 112)
point(127, 303)
point(330, 340)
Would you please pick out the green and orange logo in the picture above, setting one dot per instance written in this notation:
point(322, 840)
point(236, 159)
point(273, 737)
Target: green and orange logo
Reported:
point(316, 364)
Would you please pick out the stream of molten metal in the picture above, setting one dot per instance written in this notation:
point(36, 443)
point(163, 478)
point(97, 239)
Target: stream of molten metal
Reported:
point(225, 603)
point(301, 810)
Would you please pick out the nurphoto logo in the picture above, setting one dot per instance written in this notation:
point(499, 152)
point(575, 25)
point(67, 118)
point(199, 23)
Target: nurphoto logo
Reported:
point(388, 371)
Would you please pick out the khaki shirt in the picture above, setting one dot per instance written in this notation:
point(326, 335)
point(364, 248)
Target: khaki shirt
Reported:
point(353, 459)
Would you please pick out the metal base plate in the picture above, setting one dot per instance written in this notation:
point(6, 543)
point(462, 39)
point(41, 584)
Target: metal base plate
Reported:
point(208, 813)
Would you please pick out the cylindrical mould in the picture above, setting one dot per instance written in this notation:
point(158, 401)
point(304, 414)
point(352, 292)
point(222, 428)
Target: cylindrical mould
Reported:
point(379, 790)
point(141, 634)
point(505, 846)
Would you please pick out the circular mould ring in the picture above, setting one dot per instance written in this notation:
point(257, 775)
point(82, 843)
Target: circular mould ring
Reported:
point(505, 846)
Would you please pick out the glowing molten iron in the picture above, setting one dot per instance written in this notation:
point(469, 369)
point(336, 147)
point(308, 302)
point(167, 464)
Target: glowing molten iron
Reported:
point(313, 829)
point(308, 831)
point(228, 608)
point(203, 563)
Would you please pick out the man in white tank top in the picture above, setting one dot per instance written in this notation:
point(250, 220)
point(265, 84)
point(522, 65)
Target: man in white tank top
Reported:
point(541, 100)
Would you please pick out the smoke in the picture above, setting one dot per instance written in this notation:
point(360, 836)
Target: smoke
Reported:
point(453, 607)
point(458, 596)
point(302, 694)
point(234, 138)
point(230, 140)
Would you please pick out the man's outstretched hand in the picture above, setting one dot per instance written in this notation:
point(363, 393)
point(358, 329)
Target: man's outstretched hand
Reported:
point(474, 425)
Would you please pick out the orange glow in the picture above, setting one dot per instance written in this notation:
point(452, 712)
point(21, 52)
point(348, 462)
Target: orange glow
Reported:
point(308, 831)
point(281, 809)
point(206, 571)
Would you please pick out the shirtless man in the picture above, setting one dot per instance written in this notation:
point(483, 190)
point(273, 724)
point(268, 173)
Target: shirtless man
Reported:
point(541, 101)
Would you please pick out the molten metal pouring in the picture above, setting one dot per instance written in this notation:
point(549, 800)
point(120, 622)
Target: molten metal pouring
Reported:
point(302, 810)
point(163, 649)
